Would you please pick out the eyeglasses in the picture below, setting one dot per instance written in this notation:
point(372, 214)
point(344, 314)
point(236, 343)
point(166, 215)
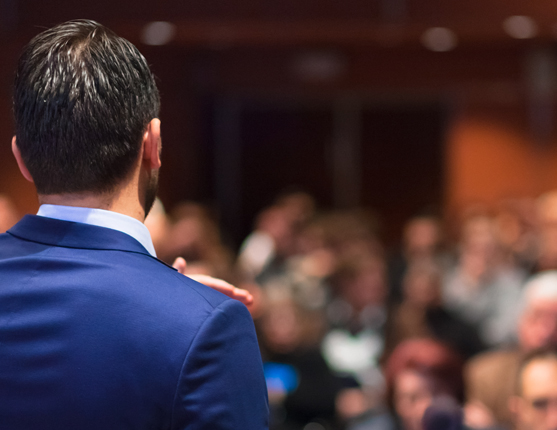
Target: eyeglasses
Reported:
point(542, 404)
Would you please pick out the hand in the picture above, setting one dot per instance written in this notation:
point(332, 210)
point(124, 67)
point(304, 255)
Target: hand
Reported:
point(216, 284)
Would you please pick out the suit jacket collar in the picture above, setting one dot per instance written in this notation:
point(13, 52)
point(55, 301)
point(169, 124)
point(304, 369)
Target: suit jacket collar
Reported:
point(68, 234)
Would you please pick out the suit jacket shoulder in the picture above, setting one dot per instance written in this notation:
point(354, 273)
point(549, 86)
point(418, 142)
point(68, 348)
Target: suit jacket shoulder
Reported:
point(96, 333)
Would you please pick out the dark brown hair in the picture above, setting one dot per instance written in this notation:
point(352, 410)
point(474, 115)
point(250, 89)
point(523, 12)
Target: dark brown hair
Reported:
point(82, 100)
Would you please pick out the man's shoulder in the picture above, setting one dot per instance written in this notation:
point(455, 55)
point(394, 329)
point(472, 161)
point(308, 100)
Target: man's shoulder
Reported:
point(118, 291)
point(118, 315)
point(102, 261)
point(147, 282)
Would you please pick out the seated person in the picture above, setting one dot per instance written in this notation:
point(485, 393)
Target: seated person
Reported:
point(417, 372)
point(483, 289)
point(490, 376)
point(535, 405)
point(421, 315)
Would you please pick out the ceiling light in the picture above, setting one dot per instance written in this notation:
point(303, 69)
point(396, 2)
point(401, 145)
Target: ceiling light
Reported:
point(318, 66)
point(158, 33)
point(520, 27)
point(439, 39)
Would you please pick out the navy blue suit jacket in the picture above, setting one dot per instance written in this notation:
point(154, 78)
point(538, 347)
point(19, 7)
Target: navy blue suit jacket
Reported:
point(97, 334)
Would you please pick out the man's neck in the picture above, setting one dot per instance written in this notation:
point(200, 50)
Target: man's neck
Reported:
point(120, 201)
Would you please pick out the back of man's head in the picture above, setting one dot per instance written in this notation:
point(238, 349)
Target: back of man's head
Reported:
point(83, 98)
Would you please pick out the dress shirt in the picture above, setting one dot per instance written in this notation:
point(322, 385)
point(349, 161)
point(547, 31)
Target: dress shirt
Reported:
point(102, 218)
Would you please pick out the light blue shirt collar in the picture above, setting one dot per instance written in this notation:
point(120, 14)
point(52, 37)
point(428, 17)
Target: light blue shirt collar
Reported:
point(102, 218)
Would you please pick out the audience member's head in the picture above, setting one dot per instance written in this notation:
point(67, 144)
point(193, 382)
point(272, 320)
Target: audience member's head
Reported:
point(83, 99)
point(515, 222)
point(8, 213)
point(352, 232)
point(280, 224)
point(318, 259)
point(422, 285)
point(312, 237)
point(422, 236)
point(479, 248)
point(478, 235)
point(286, 326)
point(299, 204)
point(417, 371)
point(535, 404)
point(194, 235)
point(361, 282)
point(537, 325)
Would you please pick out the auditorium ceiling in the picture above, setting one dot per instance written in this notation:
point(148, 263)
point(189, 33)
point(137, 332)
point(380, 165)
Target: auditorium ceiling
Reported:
point(210, 23)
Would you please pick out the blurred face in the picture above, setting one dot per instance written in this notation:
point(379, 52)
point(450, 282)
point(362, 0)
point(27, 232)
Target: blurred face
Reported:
point(536, 408)
point(538, 325)
point(478, 236)
point(367, 288)
point(422, 289)
point(281, 328)
point(279, 224)
point(422, 235)
point(412, 396)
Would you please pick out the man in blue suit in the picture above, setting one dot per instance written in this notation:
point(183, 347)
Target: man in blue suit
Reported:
point(95, 332)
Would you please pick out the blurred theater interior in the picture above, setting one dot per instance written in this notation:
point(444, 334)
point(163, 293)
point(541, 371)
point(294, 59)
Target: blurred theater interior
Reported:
point(380, 174)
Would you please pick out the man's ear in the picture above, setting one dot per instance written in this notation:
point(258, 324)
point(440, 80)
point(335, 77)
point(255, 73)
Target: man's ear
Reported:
point(151, 144)
point(20, 163)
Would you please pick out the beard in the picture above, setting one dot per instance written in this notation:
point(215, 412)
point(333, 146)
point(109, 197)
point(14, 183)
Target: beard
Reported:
point(151, 192)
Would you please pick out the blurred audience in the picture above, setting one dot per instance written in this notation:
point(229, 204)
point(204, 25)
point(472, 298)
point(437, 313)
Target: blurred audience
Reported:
point(483, 289)
point(264, 251)
point(516, 223)
point(357, 315)
point(490, 377)
point(421, 245)
point(194, 234)
point(353, 339)
point(302, 388)
point(417, 372)
point(421, 313)
point(271, 240)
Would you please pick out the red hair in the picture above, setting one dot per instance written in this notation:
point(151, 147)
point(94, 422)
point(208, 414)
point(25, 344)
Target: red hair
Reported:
point(430, 358)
